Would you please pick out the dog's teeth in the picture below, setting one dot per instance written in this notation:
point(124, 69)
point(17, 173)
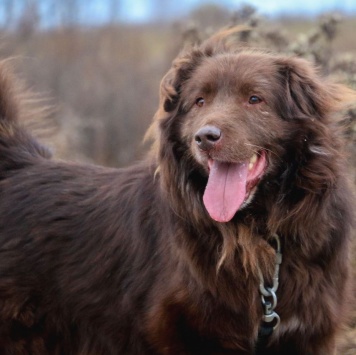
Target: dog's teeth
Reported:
point(252, 162)
point(253, 159)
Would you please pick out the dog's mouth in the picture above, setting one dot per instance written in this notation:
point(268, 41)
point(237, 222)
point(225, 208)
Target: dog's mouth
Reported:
point(231, 184)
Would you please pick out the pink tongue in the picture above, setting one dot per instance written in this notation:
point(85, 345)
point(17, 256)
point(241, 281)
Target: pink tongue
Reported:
point(226, 190)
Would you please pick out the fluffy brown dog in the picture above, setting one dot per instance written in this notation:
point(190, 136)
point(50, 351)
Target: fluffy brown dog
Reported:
point(171, 255)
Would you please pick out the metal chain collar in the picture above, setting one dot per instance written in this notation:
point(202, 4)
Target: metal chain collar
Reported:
point(268, 294)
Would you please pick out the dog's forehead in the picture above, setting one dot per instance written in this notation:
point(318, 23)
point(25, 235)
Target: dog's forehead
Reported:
point(237, 70)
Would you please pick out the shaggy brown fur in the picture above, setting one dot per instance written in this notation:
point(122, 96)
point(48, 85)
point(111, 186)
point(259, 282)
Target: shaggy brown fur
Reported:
point(143, 260)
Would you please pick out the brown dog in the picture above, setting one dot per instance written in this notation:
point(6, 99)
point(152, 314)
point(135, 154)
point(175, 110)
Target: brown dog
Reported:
point(181, 254)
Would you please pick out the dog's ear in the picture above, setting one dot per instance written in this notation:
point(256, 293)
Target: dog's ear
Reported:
point(305, 94)
point(179, 73)
point(170, 90)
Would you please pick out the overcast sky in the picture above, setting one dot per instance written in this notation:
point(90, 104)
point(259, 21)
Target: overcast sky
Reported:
point(142, 10)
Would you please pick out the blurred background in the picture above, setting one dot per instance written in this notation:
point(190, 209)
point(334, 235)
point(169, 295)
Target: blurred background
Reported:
point(98, 63)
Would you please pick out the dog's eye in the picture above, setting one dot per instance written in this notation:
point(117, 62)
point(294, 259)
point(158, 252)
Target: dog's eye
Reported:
point(254, 100)
point(200, 102)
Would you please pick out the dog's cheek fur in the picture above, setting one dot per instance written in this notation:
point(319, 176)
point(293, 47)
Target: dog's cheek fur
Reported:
point(181, 176)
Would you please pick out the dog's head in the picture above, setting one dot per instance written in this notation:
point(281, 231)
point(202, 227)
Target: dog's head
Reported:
point(229, 117)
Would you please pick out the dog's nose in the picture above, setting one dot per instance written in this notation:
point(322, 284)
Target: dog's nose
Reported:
point(207, 137)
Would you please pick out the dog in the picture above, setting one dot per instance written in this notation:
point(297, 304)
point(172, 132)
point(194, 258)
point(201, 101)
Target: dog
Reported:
point(230, 237)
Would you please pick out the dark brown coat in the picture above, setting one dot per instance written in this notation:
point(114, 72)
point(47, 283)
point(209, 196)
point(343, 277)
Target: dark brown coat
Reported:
point(128, 261)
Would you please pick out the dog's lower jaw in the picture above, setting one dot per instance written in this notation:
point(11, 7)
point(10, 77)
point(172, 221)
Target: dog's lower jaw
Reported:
point(250, 197)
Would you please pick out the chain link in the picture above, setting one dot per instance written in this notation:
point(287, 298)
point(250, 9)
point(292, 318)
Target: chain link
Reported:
point(269, 315)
